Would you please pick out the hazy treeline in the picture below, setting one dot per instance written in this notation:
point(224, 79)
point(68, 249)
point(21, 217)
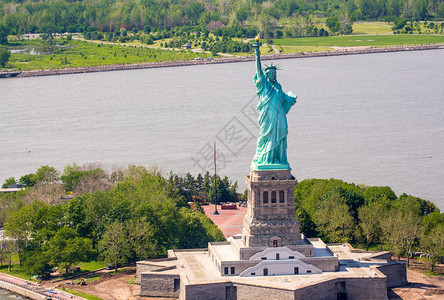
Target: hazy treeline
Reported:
point(340, 212)
point(128, 214)
point(204, 187)
point(23, 16)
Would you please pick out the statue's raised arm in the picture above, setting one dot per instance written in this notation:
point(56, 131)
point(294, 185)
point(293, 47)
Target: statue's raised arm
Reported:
point(257, 52)
point(273, 106)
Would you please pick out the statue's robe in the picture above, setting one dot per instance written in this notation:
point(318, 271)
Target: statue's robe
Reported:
point(273, 106)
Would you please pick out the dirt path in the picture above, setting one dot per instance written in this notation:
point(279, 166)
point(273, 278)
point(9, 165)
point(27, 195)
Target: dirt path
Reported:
point(114, 287)
point(420, 287)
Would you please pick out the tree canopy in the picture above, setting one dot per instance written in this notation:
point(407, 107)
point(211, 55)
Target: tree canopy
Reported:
point(342, 212)
point(50, 16)
point(4, 57)
point(141, 216)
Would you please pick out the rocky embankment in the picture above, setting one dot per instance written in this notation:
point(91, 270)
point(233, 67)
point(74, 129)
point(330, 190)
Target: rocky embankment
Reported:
point(340, 51)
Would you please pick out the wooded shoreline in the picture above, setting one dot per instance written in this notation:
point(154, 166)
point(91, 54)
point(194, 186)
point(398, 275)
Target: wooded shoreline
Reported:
point(118, 67)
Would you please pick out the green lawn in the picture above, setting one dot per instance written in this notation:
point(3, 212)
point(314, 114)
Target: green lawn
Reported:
point(373, 28)
point(301, 49)
point(91, 266)
point(16, 271)
point(81, 54)
point(86, 296)
point(366, 40)
point(76, 53)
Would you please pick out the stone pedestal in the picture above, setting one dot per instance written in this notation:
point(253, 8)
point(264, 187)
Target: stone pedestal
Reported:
point(270, 219)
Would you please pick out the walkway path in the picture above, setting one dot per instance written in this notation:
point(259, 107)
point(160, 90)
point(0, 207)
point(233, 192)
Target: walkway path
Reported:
point(44, 291)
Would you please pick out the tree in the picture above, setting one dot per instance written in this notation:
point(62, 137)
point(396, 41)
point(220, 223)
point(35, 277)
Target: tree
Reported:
point(241, 15)
point(333, 24)
point(36, 261)
point(399, 23)
point(49, 193)
point(192, 232)
point(3, 256)
point(97, 206)
point(430, 222)
point(4, 57)
point(114, 245)
point(140, 236)
point(401, 225)
point(391, 223)
point(433, 245)
point(9, 181)
point(4, 31)
point(345, 22)
point(370, 217)
point(308, 227)
point(47, 174)
point(75, 217)
point(374, 194)
point(28, 180)
point(9, 249)
point(420, 9)
point(67, 248)
point(334, 219)
point(85, 182)
point(266, 24)
point(17, 228)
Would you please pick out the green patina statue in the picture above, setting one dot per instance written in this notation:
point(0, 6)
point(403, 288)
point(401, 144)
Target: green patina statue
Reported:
point(273, 106)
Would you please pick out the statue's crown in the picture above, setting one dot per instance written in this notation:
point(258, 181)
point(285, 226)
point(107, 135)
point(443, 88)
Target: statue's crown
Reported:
point(271, 67)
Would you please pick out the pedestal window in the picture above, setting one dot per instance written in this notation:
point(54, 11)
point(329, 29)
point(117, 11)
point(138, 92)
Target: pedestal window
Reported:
point(265, 197)
point(273, 197)
point(281, 197)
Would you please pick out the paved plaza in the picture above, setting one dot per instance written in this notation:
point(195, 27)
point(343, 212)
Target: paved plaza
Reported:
point(230, 222)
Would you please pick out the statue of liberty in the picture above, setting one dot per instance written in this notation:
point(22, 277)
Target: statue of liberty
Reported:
point(273, 106)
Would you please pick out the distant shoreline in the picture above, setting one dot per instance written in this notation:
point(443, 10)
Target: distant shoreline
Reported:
point(165, 64)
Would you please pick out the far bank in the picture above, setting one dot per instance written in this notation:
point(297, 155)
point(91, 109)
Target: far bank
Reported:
point(165, 64)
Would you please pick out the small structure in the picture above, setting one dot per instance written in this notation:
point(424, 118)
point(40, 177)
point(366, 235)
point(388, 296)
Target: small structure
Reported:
point(186, 46)
point(12, 188)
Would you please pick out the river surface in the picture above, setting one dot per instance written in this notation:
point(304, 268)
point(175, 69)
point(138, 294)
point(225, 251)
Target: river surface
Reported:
point(375, 119)
point(7, 295)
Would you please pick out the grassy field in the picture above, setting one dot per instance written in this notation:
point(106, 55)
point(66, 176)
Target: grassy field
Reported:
point(302, 49)
point(366, 40)
point(372, 28)
point(81, 54)
point(91, 266)
point(65, 53)
point(16, 271)
point(86, 296)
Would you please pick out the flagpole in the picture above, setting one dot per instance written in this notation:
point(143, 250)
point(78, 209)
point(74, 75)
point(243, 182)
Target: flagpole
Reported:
point(215, 187)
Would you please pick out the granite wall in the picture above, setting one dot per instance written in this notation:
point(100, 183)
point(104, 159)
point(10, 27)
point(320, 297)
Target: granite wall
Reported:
point(396, 273)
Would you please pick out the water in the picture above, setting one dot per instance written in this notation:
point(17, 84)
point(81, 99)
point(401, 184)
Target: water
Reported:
point(7, 295)
point(372, 119)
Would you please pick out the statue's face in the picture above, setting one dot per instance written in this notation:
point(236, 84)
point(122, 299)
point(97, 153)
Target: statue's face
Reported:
point(271, 75)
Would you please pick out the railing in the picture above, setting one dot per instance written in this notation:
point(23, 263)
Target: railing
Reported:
point(41, 290)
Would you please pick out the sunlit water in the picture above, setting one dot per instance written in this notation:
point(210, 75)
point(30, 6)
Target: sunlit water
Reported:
point(375, 119)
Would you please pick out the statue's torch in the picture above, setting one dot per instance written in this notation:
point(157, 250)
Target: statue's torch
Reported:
point(257, 42)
